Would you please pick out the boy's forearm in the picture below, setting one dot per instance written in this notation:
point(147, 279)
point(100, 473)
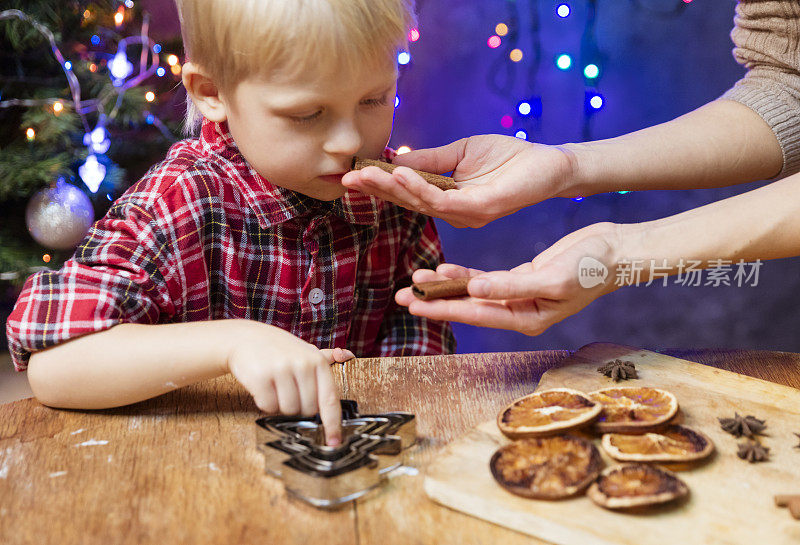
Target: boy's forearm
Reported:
point(720, 144)
point(760, 224)
point(129, 363)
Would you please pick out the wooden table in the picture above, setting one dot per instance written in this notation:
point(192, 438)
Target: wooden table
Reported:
point(183, 468)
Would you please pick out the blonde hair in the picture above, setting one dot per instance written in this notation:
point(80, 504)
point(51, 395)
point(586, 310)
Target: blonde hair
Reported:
point(233, 39)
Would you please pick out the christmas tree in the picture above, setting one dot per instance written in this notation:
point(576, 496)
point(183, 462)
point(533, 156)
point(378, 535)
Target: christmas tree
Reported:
point(88, 101)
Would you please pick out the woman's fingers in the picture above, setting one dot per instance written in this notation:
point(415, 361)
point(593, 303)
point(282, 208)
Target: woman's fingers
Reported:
point(527, 319)
point(513, 285)
point(436, 160)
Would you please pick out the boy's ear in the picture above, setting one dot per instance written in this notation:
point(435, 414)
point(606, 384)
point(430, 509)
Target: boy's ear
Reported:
point(203, 92)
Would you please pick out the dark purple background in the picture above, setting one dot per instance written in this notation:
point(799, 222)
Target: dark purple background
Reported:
point(655, 68)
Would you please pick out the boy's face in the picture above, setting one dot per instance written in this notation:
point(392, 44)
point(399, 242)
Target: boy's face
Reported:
point(301, 133)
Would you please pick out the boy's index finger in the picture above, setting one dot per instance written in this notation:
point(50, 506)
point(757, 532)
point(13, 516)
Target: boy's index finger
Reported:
point(330, 408)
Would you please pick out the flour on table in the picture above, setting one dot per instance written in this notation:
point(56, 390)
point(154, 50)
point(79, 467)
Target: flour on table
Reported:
point(92, 442)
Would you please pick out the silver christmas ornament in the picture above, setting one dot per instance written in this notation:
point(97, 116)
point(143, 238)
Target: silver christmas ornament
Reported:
point(59, 217)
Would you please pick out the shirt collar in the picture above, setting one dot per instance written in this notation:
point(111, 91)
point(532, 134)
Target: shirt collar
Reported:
point(273, 204)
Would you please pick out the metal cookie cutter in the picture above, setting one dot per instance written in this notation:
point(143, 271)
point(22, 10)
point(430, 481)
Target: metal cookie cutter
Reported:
point(372, 445)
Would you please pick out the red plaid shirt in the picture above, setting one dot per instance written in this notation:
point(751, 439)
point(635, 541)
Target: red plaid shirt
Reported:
point(202, 236)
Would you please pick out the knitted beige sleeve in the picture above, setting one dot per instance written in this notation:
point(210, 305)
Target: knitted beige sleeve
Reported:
point(766, 37)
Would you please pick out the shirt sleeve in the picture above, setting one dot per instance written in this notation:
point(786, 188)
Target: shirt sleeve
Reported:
point(766, 41)
point(121, 272)
point(406, 334)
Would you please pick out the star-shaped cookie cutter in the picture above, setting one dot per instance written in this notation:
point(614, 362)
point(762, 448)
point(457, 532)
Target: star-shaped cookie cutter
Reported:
point(372, 446)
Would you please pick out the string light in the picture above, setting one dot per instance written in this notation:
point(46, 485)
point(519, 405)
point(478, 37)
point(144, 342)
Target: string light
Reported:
point(92, 173)
point(120, 67)
point(521, 135)
point(515, 55)
point(506, 121)
point(119, 17)
point(591, 71)
point(403, 149)
point(593, 102)
point(404, 57)
point(46, 258)
point(160, 71)
point(175, 69)
point(172, 60)
point(413, 35)
point(564, 61)
point(524, 108)
point(501, 29)
point(97, 141)
point(494, 42)
point(149, 96)
point(396, 101)
point(563, 10)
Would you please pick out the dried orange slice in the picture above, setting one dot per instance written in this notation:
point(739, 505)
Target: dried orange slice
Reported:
point(547, 413)
point(635, 485)
point(633, 409)
point(673, 444)
point(548, 468)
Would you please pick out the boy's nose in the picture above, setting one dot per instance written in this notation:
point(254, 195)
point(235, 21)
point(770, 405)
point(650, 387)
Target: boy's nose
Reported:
point(344, 139)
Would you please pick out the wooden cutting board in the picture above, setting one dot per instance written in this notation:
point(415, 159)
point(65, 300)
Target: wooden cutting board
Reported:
point(731, 501)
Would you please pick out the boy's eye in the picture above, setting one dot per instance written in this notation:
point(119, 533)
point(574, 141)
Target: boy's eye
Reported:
point(306, 118)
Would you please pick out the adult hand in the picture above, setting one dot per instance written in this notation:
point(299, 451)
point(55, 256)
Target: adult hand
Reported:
point(533, 296)
point(496, 176)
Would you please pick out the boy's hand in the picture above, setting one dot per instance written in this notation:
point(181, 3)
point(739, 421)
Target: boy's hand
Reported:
point(287, 375)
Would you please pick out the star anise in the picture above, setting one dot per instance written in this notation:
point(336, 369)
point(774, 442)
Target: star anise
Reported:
point(753, 452)
point(749, 425)
point(798, 437)
point(619, 370)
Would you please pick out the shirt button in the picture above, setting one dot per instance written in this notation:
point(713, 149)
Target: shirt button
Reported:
point(316, 296)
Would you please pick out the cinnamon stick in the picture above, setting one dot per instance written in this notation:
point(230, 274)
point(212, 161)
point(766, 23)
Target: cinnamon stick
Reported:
point(439, 289)
point(442, 182)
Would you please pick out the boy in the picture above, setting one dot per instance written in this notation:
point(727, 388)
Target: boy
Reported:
point(242, 252)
